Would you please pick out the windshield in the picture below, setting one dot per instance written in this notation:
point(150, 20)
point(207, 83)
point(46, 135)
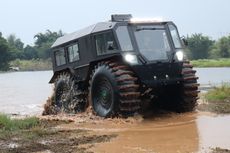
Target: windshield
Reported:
point(175, 36)
point(152, 41)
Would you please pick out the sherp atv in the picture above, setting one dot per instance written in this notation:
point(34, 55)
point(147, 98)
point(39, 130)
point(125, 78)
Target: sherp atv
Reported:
point(115, 66)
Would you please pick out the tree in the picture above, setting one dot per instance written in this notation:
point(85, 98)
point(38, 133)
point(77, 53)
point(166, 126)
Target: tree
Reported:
point(199, 46)
point(223, 47)
point(16, 46)
point(44, 41)
point(5, 55)
point(30, 53)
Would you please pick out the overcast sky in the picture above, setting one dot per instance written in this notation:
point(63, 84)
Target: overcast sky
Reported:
point(25, 18)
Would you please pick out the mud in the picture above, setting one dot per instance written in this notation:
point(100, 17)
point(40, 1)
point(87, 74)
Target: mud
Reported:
point(161, 132)
point(49, 138)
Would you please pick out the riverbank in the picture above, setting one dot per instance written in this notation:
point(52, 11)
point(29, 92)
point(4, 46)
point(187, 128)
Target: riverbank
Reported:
point(31, 65)
point(221, 62)
point(216, 100)
point(43, 135)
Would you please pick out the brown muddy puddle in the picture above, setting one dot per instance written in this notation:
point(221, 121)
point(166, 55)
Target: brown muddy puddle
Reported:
point(170, 133)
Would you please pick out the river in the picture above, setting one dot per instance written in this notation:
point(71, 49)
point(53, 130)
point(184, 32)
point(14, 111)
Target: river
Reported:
point(25, 93)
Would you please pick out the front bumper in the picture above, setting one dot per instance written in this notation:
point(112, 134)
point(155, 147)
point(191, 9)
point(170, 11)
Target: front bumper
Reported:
point(158, 74)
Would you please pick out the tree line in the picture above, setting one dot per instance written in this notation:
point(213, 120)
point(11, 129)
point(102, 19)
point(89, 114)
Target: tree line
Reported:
point(11, 48)
point(203, 47)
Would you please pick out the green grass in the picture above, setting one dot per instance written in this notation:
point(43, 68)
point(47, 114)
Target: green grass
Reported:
point(217, 100)
point(10, 126)
point(219, 93)
point(32, 65)
point(221, 62)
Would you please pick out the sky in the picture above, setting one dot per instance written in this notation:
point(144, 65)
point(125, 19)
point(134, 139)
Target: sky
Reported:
point(25, 18)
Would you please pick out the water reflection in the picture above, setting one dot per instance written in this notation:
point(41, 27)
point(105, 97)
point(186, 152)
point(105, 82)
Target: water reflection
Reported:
point(214, 131)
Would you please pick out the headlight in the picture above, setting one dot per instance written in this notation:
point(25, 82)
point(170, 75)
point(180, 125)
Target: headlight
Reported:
point(130, 58)
point(180, 55)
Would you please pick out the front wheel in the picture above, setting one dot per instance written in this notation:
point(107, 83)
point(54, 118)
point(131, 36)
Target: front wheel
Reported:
point(183, 97)
point(189, 89)
point(113, 90)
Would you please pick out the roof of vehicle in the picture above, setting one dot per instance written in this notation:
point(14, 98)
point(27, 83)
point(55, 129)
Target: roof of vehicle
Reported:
point(101, 26)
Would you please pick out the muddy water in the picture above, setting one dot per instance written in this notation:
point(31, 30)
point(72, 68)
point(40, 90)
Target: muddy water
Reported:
point(160, 133)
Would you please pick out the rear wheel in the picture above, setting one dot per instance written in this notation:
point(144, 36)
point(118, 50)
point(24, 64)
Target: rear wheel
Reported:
point(113, 90)
point(68, 98)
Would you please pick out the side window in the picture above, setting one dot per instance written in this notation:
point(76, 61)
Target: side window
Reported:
point(60, 57)
point(124, 39)
point(73, 53)
point(105, 43)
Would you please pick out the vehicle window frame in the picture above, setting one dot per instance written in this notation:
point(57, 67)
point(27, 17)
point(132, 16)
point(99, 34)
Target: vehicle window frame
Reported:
point(164, 27)
point(129, 35)
point(55, 57)
point(68, 55)
point(107, 51)
point(177, 33)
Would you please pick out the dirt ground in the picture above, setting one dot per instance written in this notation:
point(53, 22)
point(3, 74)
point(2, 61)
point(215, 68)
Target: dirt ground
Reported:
point(154, 132)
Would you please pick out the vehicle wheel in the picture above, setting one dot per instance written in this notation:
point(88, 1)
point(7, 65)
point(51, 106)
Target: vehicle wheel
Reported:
point(188, 89)
point(68, 98)
point(183, 97)
point(113, 90)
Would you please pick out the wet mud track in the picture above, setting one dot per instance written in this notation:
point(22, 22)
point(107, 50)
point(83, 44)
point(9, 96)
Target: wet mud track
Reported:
point(156, 133)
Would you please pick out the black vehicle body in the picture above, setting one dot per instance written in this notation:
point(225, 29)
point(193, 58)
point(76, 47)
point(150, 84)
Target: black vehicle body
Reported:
point(152, 72)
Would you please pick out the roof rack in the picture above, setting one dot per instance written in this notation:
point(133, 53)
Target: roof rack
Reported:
point(120, 17)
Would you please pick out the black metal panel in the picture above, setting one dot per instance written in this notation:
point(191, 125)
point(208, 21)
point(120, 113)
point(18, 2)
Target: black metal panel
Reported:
point(157, 74)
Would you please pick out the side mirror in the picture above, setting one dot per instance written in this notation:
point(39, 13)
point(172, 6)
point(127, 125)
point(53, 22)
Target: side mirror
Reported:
point(185, 41)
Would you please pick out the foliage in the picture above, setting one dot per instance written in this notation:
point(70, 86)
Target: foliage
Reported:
point(32, 65)
point(220, 62)
point(219, 93)
point(199, 46)
point(44, 41)
point(222, 47)
point(5, 54)
point(8, 124)
point(16, 46)
point(13, 48)
point(216, 100)
point(30, 52)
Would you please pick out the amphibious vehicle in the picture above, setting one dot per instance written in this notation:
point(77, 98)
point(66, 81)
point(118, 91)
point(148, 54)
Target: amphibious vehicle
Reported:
point(115, 66)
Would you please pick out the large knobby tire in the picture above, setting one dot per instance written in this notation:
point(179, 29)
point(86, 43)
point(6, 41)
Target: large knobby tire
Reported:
point(68, 98)
point(189, 89)
point(113, 89)
point(62, 95)
point(183, 97)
